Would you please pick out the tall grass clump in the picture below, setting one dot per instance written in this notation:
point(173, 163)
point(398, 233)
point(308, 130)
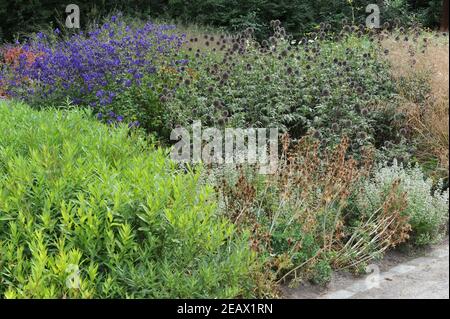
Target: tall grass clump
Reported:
point(89, 211)
point(420, 66)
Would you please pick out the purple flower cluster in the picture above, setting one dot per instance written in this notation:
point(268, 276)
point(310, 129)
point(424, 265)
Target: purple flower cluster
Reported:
point(92, 68)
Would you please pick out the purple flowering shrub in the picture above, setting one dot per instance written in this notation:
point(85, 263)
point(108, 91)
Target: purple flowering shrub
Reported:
point(116, 68)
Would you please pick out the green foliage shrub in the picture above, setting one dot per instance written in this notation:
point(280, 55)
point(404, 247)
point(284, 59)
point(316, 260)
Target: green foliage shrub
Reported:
point(75, 193)
point(427, 204)
point(326, 85)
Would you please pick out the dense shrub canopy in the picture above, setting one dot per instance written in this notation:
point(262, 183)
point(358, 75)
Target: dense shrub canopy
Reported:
point(298, 15)
point(75, 194)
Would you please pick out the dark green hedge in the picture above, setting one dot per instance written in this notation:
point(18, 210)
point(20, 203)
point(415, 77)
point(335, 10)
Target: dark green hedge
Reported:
point(298, 16)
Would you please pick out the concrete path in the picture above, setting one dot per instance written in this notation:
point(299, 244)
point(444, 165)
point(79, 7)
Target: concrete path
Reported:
point(396, 277)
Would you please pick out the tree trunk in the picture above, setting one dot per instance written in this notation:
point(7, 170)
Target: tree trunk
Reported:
point(444, 18)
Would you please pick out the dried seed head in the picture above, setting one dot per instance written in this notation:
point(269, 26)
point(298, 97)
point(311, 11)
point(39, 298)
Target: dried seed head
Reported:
point(317, 135)
point(364, 112)
point(335, 127)
point(217, 104)
point(361, 135)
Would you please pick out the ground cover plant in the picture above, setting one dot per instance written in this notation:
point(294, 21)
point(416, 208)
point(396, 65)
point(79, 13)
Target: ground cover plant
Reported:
point(427, 205)
point(75, 194)
point(303, 219)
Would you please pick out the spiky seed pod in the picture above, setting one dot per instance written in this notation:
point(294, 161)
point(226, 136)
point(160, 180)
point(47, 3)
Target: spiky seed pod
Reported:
point(364, 112)
point(361, 135)
point(335, 127)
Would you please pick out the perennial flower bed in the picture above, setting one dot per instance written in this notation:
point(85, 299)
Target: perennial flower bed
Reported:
point(103, 199)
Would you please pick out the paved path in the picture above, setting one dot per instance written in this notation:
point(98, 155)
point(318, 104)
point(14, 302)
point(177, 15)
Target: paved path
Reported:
point(425, 277)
